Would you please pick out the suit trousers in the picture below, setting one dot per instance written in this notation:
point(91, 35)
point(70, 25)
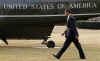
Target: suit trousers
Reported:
point(68, 41)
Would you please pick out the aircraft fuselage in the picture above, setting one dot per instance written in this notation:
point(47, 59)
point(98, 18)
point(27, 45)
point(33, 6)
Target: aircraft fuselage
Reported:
point(36, 18)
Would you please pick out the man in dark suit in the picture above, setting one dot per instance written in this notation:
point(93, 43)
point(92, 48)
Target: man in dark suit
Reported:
point(71, 35)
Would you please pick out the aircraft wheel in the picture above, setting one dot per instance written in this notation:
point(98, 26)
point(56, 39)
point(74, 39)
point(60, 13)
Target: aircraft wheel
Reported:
point(51, 44)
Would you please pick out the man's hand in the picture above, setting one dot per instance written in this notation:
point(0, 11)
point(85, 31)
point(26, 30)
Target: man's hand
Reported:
point(76, 37)
point(63, 34)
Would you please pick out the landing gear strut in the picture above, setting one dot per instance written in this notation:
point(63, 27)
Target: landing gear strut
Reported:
point(49, 44)
point(4, 40)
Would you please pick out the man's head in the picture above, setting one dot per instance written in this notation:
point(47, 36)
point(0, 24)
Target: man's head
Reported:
point(67, 11)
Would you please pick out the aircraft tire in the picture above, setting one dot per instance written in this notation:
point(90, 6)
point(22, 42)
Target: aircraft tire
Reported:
point(51, 44)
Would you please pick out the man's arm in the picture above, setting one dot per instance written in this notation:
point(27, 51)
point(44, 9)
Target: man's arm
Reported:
point(64, 32)
point(73, 26)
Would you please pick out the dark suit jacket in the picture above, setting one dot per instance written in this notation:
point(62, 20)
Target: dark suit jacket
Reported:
point(71, 25)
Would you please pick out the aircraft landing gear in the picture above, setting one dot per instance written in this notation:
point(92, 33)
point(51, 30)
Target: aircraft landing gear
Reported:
point(49, 44)
point(4, 40)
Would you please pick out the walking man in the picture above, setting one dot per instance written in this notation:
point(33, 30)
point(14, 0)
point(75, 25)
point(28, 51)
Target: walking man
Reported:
point(71, 35)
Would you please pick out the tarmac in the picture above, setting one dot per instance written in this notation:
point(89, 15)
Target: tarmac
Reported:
point(32, 50)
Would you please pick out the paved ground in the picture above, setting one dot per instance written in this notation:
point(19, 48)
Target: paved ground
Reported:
point(25, 50)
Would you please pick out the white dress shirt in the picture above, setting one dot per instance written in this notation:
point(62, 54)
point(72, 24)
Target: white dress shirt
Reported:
point(67, 22)
point(68, 17)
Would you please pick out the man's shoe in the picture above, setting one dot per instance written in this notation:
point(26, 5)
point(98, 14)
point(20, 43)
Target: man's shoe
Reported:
point(56, 56)
point(82, 58)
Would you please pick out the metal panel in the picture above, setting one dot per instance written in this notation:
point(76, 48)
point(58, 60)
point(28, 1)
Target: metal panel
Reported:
point(25, 30)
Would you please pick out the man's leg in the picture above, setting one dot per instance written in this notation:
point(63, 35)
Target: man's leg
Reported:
point(65, 46)
point(80, 50)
